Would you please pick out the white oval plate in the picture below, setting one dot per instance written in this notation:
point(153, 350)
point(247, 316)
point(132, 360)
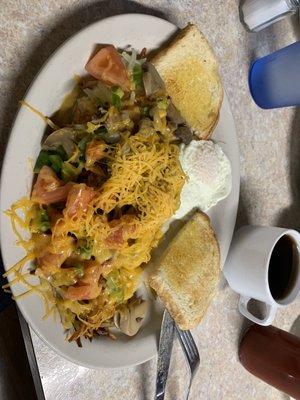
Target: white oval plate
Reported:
point(46, 93)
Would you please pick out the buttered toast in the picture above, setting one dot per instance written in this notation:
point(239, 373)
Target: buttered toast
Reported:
point(188, 272)
point(190, 72)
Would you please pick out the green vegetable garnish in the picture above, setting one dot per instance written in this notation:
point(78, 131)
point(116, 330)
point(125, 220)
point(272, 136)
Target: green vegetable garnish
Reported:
point(84, 248)
point(117, 91)
point(67, 276)
point(44, 220)
point(60, 151)
point(137, 76)
point(56, 162)
point(69, 172)
point(117, 94)
point(83, 142)
point(41, 221)
point(79, 270)
point(51, 158)
point(43, 159)
point(163, 104)
point(113, 286)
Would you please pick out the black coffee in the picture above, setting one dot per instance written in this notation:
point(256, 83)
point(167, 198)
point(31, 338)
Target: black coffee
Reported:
point(283, 267)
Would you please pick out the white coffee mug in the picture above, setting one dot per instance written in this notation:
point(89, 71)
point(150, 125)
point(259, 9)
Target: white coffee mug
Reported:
point(247, 269)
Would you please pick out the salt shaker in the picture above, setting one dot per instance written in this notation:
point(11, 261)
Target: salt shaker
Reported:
point(258, 14)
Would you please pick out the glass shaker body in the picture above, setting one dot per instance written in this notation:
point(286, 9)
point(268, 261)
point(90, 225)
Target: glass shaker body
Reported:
point(258, 14)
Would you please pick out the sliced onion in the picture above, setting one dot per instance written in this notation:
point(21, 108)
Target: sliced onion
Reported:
point(99, 92)
point(152, 80)
point(131, 59)
point(132, 97)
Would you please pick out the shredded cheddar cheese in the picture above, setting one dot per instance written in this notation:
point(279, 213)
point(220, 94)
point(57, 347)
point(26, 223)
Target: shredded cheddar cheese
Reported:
point(106, 185)
point(145, 174)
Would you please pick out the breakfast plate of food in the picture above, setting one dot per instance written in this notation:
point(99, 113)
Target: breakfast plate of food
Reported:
point(123, 158)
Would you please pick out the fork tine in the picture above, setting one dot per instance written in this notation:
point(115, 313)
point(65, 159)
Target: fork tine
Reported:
point(187, 343)
point(193, 346)
point(191, 340)
point(190, 344)
point(191, 352)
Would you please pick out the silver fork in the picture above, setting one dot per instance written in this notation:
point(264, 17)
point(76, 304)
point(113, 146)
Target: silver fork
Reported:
point(191, 352)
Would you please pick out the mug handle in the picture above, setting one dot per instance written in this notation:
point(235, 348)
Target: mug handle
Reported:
point(270, 312)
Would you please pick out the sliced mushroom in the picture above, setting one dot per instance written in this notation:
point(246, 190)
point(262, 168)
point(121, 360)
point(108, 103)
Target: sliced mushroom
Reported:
point(64, 137)
point(174, 115)
point(152, 81)
point(185, 134)
point(129, 318)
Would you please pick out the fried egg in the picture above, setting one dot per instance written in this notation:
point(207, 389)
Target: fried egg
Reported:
point(208, 173)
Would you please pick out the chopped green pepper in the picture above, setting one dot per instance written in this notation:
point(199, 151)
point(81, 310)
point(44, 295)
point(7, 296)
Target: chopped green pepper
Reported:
point(69, 172)
point(84, 248)
point(51, 158)
point(43, 159)
point(44, 221)
point(41, 221)
point(60, 151)
point(113, 286)
point(56, 162)
point(79, 270)
point(67, 276)
point(117, 94)
point(162, 104)
point(137, 76)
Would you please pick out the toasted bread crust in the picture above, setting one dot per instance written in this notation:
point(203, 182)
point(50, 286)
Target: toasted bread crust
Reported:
point(190, 71)
point(188, 273)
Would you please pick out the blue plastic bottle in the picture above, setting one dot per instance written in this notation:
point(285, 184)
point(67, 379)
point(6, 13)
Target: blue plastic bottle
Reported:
point(274, 80)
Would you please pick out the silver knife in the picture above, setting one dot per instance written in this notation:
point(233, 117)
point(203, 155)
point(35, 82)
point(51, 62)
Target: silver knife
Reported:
point(164, 354)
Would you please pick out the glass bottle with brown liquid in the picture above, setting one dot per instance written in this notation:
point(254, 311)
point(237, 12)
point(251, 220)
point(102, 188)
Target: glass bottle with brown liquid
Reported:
point(272, 355)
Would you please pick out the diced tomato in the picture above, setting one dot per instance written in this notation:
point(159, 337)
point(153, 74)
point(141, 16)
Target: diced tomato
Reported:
point(107, 66)
point(86, 288)
point(54, 255)
point(78, 199)
point(49, 263)
point(115, 239)
point(122, 229)
point(95, 151)
point(48, 189)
